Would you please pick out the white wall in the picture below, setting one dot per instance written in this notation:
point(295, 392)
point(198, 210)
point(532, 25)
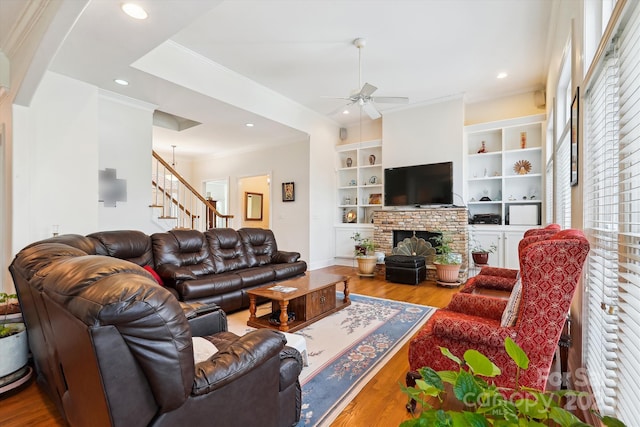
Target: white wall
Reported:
point(427, 134)
point(55, 161)
point(69, 132)
point(284, 163)
point(124, 140)
point(508, 107)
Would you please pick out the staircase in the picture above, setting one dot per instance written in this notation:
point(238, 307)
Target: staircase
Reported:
point(178, 203)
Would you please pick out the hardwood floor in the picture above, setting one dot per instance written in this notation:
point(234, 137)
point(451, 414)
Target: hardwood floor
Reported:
point(380, 403)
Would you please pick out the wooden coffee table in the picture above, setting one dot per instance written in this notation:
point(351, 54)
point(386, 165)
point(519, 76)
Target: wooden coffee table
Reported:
point(314, 297)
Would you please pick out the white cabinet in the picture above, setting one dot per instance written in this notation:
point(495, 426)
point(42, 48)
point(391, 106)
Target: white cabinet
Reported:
point(359, 179)
point(504, 167)
point(345, 245)
point(505, 239)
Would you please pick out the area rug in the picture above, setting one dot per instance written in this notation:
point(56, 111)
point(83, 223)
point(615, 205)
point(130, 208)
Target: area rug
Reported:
point(346, 349)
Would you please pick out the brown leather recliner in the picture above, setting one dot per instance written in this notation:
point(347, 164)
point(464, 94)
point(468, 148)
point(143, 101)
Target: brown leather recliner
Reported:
point(115, 349)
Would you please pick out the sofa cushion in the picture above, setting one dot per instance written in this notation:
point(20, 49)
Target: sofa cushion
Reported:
point(256, 276)
point(186, 249)
point(227, 250)
point(130, 245)
point(260, 245)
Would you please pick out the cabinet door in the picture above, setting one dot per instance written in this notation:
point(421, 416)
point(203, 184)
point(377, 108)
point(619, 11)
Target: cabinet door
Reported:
point(486, 239)
point(511, 257)
point(345, 245)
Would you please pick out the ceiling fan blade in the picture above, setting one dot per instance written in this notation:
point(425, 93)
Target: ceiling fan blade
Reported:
point(367, 90)
point(391, 99)
point(346, 98)
point(371, 111)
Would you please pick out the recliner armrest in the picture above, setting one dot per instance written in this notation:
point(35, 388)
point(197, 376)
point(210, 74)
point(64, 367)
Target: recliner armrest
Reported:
point(282, 257)
point(239, 358)
point(204, 319)
point(290, 367)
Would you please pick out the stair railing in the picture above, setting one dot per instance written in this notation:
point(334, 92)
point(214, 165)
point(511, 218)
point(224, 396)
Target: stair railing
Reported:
point(179, 201)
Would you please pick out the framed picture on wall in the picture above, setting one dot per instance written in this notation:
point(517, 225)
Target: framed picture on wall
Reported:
point(575, 110)
point(288, 192)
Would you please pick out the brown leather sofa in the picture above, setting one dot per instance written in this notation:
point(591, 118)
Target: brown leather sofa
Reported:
point(217, 266)
point(113, 348)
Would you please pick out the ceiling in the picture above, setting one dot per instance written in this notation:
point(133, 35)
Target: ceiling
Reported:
point(422, 49)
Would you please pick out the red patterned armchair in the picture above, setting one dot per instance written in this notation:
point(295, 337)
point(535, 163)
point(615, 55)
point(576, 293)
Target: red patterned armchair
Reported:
point(550, 271)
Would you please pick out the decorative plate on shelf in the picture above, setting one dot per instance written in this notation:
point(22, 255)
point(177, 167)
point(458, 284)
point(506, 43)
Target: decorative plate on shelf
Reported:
point(522, 167)
point(351, 216)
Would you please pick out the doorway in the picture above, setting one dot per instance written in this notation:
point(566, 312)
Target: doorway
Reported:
point(217, 192)
point(250, 189)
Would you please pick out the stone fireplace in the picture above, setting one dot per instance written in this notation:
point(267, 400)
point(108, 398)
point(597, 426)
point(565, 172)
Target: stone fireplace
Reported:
point(451, 221)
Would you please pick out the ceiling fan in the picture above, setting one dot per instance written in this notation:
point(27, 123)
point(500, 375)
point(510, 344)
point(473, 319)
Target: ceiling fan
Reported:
point(364, 97)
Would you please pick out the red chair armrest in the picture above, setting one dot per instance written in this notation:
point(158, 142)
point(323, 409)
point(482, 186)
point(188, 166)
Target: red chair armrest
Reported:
point(472, 329)
point(501, 272)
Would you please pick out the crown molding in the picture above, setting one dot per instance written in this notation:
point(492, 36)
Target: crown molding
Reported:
point(25, 24)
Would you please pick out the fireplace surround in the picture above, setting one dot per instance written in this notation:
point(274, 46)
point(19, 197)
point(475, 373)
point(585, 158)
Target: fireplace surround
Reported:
point(451, 221)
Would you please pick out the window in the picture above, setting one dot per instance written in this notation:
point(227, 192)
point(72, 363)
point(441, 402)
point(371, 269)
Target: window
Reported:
point(612, 223)
point(561, 163)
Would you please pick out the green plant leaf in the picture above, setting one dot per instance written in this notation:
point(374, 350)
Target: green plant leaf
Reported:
point(611, 422)
point(427, 388)
point(474, 419)
point(448, 376)
point(563, 417)
point(516, 353)
point(480, 364)
point(432, 378)
point(532, 408)
point(445, 352)
point(465, 389)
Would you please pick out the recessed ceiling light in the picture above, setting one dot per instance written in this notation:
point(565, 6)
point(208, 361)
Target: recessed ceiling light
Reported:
point(502, 75)
point(249, 125)
point(345, 112)
point(134, 11)
point(121, 82)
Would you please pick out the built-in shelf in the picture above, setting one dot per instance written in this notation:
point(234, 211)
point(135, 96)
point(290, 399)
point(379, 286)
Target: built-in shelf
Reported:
point(493, 174)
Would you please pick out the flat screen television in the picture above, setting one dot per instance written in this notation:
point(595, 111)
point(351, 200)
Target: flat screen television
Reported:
point(430, 184)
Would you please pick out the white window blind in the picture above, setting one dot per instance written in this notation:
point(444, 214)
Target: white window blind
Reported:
point(600, 211)
point(562, 188)
point(612, 221)
point(629, 219)
point(549, 192)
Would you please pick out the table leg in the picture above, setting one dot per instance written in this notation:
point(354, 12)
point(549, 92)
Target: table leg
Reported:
point(252, 308)
point(346, 299)
point(284, 316)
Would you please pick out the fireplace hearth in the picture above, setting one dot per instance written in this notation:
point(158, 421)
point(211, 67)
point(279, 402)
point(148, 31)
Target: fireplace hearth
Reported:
point(390, 226)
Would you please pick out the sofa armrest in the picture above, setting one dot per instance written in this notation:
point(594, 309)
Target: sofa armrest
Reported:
point(204, 319)
point(282, 257)
point(174, 273)
point(238, 359)
point(472, 329)
point(478, 305)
